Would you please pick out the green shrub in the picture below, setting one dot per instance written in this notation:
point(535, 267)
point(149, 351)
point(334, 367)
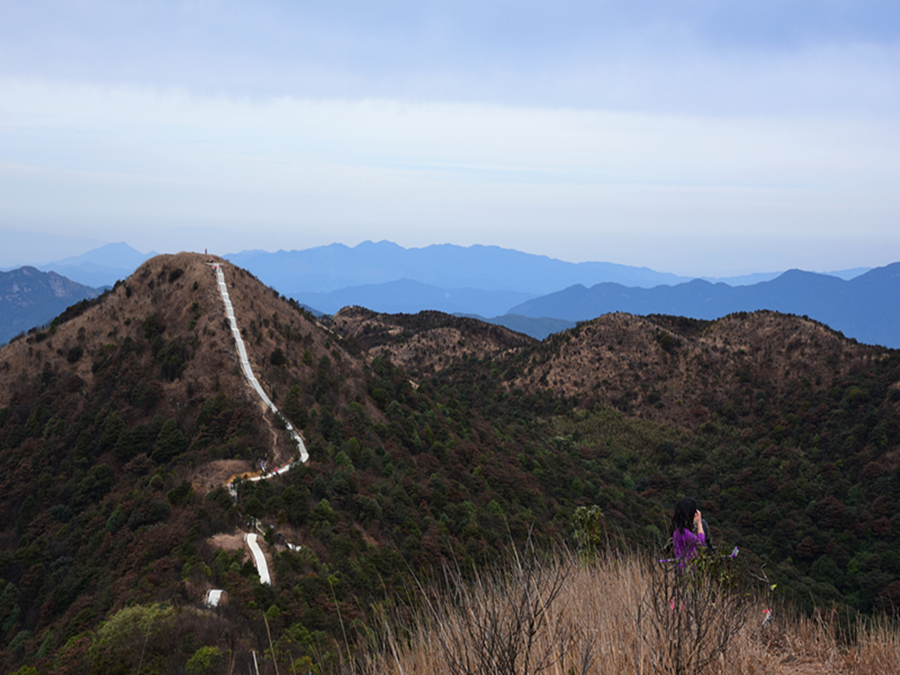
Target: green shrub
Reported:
point(181, 495)
point(205, 661)
point(170, 443)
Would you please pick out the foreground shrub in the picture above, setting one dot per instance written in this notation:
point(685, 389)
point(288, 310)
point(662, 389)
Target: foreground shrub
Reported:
point(688, 613)
point(562, 616)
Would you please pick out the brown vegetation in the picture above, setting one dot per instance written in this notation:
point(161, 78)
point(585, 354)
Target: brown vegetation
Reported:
point(683, 371)
point(175, 298)
point(668, 369)
point(119, 422)
point(426, 342)
point(585, 618)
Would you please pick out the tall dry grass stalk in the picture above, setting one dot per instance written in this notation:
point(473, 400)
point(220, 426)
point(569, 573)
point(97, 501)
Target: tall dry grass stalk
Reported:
point(558, 616)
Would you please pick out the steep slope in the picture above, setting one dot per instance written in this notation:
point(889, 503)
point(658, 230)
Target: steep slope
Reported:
point(162, 337)
point(117, 422)
point(30, 298)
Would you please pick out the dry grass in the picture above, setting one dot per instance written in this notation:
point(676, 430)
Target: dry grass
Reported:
point(695, 376)
point(577, 619)
point(426, 342)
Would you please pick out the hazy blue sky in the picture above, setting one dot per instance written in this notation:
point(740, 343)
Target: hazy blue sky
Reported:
point(689, 136)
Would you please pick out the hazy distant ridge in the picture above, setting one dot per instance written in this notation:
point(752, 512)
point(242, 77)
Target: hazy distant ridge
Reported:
point(408, 297)
point(101, 266)
point(29, 298)
point(328, 268)
point(533, 294)
point(866, 308)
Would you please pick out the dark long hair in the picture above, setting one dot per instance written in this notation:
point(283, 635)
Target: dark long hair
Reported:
point(683, 519)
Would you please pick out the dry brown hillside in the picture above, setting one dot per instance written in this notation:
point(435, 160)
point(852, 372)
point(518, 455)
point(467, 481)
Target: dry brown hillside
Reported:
point(684, 371)
point(669, 369)
point(173, 302)
point(120, 424)
point(428, 341)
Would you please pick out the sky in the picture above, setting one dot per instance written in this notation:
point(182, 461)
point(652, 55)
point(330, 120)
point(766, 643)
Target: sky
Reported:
point(694, 137)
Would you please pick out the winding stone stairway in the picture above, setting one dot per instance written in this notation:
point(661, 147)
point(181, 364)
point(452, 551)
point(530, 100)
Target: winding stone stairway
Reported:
point(259, 558)
point(248, 371)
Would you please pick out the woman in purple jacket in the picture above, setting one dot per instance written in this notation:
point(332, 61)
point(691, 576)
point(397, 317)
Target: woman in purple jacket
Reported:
point(687, 518)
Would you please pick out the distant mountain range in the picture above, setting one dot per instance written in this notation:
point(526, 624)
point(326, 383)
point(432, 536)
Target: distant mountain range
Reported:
point(29, 298)
point(334, 267)
point(101, 266)
point(866, 308)
point(533, 294)
point(484, 282)
point(408, 296)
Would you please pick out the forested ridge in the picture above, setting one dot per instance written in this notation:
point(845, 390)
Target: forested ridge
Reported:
point(120, 424)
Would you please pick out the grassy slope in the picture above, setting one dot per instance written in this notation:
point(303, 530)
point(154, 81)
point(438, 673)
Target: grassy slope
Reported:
point(585, 619)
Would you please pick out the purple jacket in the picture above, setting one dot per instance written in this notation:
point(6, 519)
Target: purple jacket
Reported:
point(686, 543)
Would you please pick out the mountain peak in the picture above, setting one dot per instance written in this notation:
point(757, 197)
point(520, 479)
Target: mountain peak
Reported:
point(117, 255)
point(166, 321)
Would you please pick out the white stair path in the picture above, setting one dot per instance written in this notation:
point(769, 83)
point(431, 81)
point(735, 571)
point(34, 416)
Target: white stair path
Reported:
point(248, 371)
point(258, 558)
point(214, 597)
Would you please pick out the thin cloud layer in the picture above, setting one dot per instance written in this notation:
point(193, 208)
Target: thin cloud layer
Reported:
point(585, 131)
point(657, 56)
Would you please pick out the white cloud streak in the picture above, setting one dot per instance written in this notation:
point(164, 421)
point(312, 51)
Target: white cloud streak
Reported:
point(424, 172)
point(653, 134)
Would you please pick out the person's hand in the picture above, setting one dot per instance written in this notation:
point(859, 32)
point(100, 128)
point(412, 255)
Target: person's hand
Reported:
point(698, 521)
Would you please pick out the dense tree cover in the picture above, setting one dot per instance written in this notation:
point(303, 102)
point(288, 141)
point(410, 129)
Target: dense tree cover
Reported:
point(104, 517)
point(807, 484)
point(107, 535)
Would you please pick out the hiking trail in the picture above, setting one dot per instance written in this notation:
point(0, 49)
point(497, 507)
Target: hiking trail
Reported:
point(251, 538)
